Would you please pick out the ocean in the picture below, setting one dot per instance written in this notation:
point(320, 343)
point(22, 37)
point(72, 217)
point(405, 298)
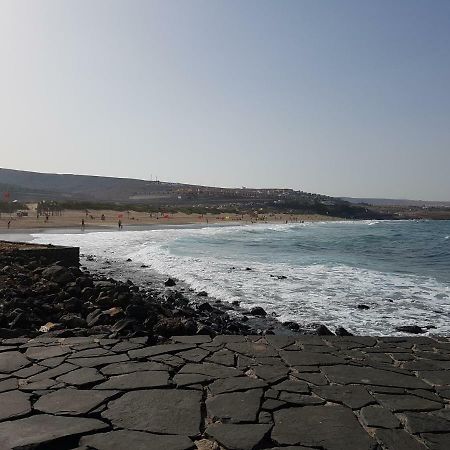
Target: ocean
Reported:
point(315, 272)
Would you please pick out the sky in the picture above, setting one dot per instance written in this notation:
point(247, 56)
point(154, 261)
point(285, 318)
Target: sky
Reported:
point(340, 97)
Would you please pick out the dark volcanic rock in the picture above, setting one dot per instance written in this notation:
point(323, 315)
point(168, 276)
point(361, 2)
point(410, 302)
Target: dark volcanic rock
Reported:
point(135, 440)
point(330, 427)
point(398, 440)
point(72, 402)
point(235, 407)
point(375, 416)
point(12, 361)
point(58, 274)
point(44, 429)
point(170, 282)
point(343, 374)
point(136, 380)
point(14, 404)
point(414, 329)
point(341, 331)
point(322, 330)
point(157, 411)
point(238, 437)
point(258, 311)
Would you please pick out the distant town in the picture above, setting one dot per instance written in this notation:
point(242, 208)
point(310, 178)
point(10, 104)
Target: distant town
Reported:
point(81, 191)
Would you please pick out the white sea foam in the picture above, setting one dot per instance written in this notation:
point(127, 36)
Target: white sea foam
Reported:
point(325, 293)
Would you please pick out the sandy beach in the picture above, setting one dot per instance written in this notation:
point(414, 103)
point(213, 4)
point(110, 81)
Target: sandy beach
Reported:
point(93, 219)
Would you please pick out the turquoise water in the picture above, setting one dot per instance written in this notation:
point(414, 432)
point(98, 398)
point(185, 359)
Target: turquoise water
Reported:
point(405, 247)
point(399, 269)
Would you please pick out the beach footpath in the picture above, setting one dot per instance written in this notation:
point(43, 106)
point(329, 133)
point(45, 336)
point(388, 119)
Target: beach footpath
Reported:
point(226, 392)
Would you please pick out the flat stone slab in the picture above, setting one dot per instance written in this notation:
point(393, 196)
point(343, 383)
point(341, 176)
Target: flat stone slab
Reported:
point(44, 429)
point(368, 375)
point(437, 441)
point(302, 358)
point(399, 403)
point(99, 361)
point(238, 437)
point(12, 361)
point(132, 366)
point(51, 351)
point(9, 384)
point(436, 377)
point(354, 397)
point(235, 384)
point(252, 349)
point(14, 404)
point(398, 440)
point(72, 402)
point(378, 417)
point(426, 423)
point(81, 377)
point(232, 392)
point(157, 411)
point(135, 440)
point(159, 349)
point(235, 406)
point(330, 427)
point(298, 387)
point(136, 380)
point(212, 370)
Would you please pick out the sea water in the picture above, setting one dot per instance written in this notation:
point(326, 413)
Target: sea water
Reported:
point(318, 272)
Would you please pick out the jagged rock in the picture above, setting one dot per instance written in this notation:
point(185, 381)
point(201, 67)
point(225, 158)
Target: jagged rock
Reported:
point(258, 311)
point(414, 329)
point(58, 274)
point(170, 282)
point(341, 331)
point(322, 330)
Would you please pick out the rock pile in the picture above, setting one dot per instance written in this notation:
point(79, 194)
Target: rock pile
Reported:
point(66, 301)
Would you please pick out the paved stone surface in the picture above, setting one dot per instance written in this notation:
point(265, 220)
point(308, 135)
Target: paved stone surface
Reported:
point(72, 402)
point(330, 427)
point(14, 404)
point(229, 392)
point(378, 417)
point(12, 361)
point(137, 380)
point(135, 440)
point(157, 411)
point(44, 429)
point(235, 406)
point(238, 437)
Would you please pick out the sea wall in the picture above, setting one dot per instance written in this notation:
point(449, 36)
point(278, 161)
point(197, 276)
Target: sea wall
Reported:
point(67, 256)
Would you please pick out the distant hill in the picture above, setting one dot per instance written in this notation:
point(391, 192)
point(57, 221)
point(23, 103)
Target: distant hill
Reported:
point(35, 186)
point(395, 202)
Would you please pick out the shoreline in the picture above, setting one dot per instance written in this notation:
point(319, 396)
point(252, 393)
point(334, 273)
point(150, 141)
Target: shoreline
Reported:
point(44, 299)
point(72, 219)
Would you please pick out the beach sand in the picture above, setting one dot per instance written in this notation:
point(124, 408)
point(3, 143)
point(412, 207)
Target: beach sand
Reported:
point(92, 220)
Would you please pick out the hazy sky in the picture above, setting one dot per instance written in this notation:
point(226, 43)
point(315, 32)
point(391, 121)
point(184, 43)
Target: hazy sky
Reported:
point(338, 97)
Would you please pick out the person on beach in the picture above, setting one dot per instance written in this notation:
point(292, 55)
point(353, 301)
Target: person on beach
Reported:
point(9, 224)
point(82, 225)
point(120, 224)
